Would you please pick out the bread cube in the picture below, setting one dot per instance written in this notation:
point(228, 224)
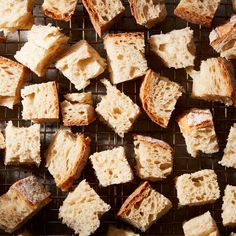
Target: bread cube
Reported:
point(23, 200)
point(117, 110)
point(80, 64)
point(66, 157)
point(40, 102)
point(201, 225)
point(144, 207)
point(22, 145)
point(197, 127)
point(82, 210)
point(111, 167)
point(176, 48)
point(45, 43)
point(126, 56)
point(198, 188)
point(113, 231)
point(2, 141)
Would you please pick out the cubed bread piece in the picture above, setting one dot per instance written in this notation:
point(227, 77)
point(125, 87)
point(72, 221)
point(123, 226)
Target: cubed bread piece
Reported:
point(82, 210)
point(104, 13)
point(234, 4)
point(45, 43)
point(117, 110)
point(40, 102)
point(66, 157)
point(215, 81)
point(198, 188)
point(111, 167)
point(223, 39)
point(16, 15)
point(22, 201)
point(2, 141)
point(80, 64)
point(197, 127)
point(199, 12)
point(201, 225)
point(126, 56)
point(159, 96)
point(154, 158)
point(22, 145)
point(12, 78)
point(59, 9)
point(113, 231)
point(176, 48)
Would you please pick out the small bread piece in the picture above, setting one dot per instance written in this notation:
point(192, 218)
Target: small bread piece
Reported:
point(22, 145)
point(2, 141)
point(201, 225)
point(66, 157)
point(197, 127)
point(154, 158)
point(198, 188)
point(45, 43)
point(158, 96)
point(103, 13)
point(22, 201)
point(82, 210)
point(40, 102)
point(111, 167)
point(80, 64)
point(117, 110)
point(113, 231)
point(12, 78)
point(199, 12)
point(126, 56)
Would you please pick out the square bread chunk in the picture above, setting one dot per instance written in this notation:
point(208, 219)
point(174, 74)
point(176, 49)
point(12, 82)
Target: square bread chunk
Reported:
point(197, 127)
point(66, 157)
point(111, 167)
point(201, 225)
point(82, 210)
point(45, 43)
point(117, 110)
point(113, 231)
point(80, 64)
point(12, 78)
point(2, 141)
point(23, 200)
point(176, 48)
point(154, 158)
point(126, 56)
point(22, 145)
point(103, 13)
point(198, 188)
point(40, 102)
point(199, 12)
point(159, 96)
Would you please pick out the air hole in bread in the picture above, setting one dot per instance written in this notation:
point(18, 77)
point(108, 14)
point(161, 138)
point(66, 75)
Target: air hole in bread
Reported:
point(162, 47)
point(132, 71)
point(120, 57)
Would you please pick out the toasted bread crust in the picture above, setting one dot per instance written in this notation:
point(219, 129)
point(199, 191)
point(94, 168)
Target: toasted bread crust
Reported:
point(6, 61)
point(139, 35)
point(80, 123)
point(57, 15)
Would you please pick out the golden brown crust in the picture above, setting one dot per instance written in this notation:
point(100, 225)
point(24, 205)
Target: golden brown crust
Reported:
point(57, 15)
point(2, 39)
point(138, 35)
point(5, 61)
point(80, 123)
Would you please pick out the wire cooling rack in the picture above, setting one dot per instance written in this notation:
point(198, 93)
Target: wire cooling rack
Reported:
point(46, 222)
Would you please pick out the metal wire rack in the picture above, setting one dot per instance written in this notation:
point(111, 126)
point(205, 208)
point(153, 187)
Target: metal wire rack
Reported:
point(46, 222)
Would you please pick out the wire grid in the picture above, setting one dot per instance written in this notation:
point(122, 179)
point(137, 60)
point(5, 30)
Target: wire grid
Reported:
point(46, 222)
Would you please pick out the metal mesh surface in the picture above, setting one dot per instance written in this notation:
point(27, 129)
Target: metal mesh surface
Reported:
point(46, 222)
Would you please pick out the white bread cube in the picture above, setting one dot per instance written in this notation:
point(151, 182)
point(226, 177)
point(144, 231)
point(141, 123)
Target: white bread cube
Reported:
point(66, 157)
point(82, 210)
point(144, 207)
point(154, 158)
point(197, 127)
point(159, 96)
point(2, 141)
point(22, 145)
point(40, 102)
point(80, 64)
point(199, 12)
point(22, 201)
point(201, 225)
point(117, 110)
point(113, 231)
point(103, 13)
point(234, 4)
point(215, 81)
point(176, 48)
point(111, 167)
point(45, 43)
point(198, 188)
point(12, 78)
point(126, 56)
